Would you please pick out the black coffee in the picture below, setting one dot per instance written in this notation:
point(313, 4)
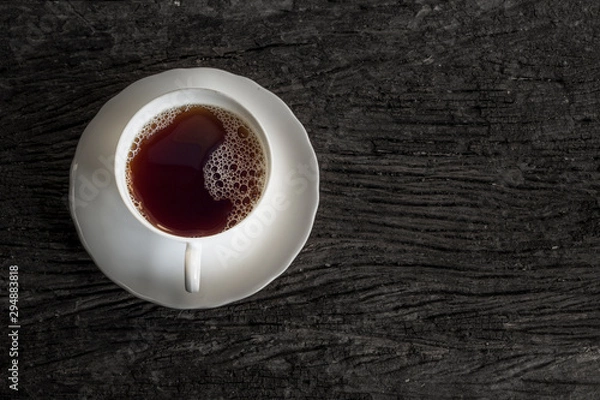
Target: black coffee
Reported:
point(196, 170)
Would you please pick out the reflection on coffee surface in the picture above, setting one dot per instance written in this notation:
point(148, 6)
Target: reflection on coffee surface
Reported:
point(196, 170)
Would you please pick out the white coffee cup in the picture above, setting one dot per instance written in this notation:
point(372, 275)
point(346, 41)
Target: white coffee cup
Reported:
point(192, 268)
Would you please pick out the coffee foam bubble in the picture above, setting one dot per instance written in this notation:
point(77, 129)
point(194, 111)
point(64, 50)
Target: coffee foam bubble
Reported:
point(235, 171)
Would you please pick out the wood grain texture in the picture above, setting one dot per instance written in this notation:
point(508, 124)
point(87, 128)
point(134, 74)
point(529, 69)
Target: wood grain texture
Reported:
point(455, 251)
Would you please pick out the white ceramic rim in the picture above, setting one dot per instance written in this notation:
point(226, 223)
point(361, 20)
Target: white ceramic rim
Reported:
point(125, 141)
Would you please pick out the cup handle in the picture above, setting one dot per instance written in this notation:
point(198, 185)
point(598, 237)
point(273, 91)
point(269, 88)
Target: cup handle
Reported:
point(193, 261)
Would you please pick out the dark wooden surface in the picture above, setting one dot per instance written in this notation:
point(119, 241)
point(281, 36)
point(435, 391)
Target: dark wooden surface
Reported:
point(455, 251)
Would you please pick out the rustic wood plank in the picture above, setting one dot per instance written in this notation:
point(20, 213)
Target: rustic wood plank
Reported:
point(455, 252)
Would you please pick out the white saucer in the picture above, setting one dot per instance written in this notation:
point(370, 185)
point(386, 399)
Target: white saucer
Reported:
point(150, 266)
